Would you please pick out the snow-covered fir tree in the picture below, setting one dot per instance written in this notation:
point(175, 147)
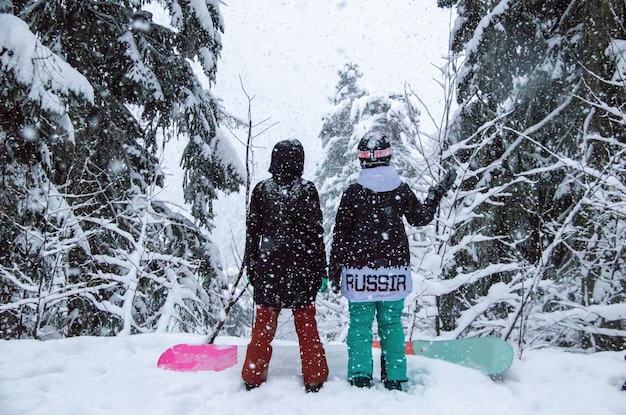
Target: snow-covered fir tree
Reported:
point(89, 90)
point(541, 158)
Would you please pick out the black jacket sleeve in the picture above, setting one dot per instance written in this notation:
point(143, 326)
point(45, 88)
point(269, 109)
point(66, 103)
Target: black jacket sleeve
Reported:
point(418, 213)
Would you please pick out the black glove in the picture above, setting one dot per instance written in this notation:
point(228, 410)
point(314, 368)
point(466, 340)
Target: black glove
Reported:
point(448, 181)
point(436, 192)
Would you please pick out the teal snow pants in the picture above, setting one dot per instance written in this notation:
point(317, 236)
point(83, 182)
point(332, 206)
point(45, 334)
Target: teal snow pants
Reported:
point(389, 318)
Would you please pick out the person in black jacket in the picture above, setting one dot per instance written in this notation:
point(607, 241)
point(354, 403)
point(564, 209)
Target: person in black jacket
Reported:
point(286, 263)
point(370, 259)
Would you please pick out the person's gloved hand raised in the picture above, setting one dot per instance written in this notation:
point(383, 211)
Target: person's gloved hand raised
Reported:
point(448, 180)
point(437, 191)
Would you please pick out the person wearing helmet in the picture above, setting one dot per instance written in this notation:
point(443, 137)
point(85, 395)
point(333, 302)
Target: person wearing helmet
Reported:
point(286, 263)
point(370, 259)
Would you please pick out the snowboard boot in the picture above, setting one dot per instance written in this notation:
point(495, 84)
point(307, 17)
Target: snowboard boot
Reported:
point(250, 386)
point(361, 382)
point(393, 385)
point(315, 387)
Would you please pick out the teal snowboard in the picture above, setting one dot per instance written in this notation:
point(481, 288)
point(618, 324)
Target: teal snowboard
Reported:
point(490, 355)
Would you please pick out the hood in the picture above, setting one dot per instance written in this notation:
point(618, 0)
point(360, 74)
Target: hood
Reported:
point(287, 159)
point(379, 179)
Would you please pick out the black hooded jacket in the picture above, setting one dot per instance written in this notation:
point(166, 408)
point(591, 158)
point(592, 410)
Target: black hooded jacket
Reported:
point(285, 255)
point(369, 228)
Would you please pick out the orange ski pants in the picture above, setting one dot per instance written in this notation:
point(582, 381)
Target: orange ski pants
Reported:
point(259, 352)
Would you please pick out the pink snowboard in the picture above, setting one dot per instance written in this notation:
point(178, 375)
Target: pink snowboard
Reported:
point(189, 357)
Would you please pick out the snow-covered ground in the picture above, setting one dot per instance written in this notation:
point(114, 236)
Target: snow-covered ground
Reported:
point(105, 376)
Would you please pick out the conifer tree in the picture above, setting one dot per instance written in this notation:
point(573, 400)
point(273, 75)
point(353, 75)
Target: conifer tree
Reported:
point(91, 166)
point(534, 92)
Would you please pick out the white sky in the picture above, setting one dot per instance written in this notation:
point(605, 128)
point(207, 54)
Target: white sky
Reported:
point(287, 54)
